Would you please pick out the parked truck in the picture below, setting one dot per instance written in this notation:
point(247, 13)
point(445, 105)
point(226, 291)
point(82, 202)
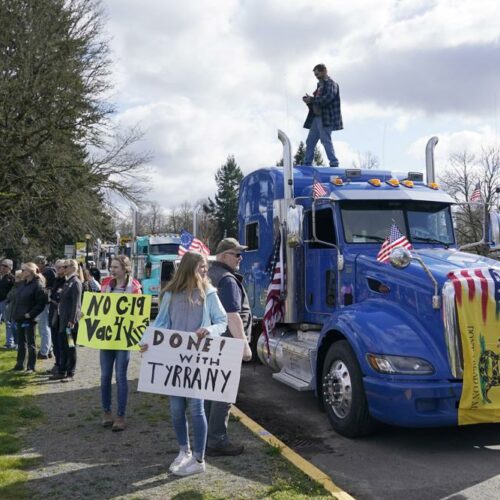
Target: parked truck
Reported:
point(374, 341)
point(154, 257)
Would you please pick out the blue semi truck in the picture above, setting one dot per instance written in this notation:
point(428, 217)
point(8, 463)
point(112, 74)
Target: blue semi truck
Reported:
point(374, 341)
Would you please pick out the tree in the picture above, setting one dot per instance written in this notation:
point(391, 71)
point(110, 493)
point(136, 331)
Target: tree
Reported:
point(300, 156)
point(462, 174)
point(59, 155)
point(366, 160)
point(224, 208)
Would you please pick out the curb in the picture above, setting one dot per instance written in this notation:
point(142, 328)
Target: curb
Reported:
point(301, 463)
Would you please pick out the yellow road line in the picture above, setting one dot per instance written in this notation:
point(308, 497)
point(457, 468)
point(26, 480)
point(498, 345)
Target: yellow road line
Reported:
point(308, 468)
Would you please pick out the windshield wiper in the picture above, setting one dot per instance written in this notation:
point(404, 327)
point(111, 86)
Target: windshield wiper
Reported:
point(372, 237)
point(430, 240)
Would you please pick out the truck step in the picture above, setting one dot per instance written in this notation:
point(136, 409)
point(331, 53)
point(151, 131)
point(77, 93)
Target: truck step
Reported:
point(291, 381)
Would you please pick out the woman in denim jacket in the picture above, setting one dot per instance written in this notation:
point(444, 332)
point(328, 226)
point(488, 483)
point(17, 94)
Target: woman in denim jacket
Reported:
point(190, 303)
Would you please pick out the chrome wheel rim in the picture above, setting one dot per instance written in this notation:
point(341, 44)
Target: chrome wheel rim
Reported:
point(338, 389)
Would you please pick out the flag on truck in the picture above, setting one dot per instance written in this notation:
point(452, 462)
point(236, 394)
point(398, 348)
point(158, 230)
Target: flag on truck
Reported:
point(476, 194)
point(191, 244)
point(477, 301)
point(275, 307)
point(395, 239)
point(318, 190)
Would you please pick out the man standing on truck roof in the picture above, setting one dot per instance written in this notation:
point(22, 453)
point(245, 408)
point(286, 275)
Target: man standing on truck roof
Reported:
point(223, 274)
point(324, 115)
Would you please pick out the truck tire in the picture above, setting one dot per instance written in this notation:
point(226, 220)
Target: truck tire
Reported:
point(343, 392)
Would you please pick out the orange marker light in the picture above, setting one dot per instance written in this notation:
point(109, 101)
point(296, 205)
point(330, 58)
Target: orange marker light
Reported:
point(407, 183)
point(433, 185)
point(338, 182)
point(375, 182)
point(393, 182)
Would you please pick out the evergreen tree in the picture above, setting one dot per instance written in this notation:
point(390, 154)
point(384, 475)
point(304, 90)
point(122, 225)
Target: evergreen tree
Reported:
point(54, 74)
point(300, 155)
point(318, 159)
point(224, 208)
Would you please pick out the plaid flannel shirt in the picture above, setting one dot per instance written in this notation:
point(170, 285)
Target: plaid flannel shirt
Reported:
point(328, 99)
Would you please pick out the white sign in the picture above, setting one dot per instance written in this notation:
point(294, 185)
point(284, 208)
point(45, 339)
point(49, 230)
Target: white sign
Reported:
point(69, 251)
point(181, 364)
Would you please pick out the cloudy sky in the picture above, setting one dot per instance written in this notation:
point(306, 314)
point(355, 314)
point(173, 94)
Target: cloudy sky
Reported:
point(207, 79)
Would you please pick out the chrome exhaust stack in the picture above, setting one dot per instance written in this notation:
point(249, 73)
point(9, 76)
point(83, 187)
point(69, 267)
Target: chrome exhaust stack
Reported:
point(429, 159)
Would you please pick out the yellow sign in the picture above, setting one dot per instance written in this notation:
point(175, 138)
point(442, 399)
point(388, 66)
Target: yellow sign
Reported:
point(113, 320)
point(477, 297)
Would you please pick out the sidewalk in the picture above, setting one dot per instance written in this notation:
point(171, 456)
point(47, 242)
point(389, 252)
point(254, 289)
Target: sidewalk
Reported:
point(81, 459)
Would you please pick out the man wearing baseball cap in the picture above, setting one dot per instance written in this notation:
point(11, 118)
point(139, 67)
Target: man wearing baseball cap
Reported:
point(6, 284)
point(223, 274)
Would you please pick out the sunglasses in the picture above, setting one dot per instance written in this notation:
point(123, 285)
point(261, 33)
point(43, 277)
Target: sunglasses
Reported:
point(237, 255)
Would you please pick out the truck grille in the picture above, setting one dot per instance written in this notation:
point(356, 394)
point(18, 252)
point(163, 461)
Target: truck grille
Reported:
point(452, 332)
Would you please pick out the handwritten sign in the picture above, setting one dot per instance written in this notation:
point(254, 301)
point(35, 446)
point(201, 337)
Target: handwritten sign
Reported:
point(180, 364)
point(113, 320)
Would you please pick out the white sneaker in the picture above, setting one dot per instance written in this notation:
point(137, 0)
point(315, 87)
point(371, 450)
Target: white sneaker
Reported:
point(192, 466)
point(182, 458)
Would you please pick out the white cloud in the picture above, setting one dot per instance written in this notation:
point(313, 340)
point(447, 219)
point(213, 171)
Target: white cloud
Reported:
point(209, 79)
point(472, 141)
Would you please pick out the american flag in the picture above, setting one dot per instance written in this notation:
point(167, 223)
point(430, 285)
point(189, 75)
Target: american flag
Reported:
point(191, 244)
point(396, 239)
point(476, 194)
point(275, 307)
point(318, 190)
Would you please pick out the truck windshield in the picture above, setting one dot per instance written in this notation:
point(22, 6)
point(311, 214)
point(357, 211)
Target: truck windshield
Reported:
point(420, 222)
point(164, 249)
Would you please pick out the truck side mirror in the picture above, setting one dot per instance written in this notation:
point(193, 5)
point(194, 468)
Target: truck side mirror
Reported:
point(495, 228)
point(294, 220)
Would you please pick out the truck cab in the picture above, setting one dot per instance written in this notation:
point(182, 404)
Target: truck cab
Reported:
point(154, 258)
point(370, 339)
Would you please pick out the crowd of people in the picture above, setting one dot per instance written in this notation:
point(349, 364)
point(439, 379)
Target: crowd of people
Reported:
point(197, 299)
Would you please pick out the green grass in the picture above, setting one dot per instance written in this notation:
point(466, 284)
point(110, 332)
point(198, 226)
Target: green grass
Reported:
point(17, 411)
point(273, 450)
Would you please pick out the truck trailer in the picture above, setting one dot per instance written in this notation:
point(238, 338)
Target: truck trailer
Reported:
point(376, 341)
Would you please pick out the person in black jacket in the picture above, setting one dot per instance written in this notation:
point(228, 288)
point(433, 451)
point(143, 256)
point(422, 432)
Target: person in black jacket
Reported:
point(69, 311)
point(6, 284)
point(55, 297)
point(30, 302)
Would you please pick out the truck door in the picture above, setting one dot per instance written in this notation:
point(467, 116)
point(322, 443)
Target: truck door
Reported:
point(320, 264)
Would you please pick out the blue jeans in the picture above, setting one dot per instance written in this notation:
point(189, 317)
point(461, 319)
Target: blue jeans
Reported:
point(178, 407)
point(10, 334)
point(45, 333)
point(120, 359)
point(318, 132)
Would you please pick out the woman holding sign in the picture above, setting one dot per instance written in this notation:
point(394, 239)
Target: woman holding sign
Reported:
point(190, 304)
point(120, 281)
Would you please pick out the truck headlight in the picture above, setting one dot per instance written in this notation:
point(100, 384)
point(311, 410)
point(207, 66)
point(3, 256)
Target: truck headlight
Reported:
point(405, 365)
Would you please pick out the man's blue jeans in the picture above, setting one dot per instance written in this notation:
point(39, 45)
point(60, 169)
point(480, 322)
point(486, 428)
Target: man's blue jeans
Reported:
point(318, 132)
point(45, 333)
point(119, 359)
point(178, 407)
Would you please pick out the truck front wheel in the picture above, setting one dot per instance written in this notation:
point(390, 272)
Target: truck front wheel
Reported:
point(343, 392)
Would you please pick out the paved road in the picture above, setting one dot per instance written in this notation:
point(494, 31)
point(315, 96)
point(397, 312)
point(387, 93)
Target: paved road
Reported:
point(395, 463)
